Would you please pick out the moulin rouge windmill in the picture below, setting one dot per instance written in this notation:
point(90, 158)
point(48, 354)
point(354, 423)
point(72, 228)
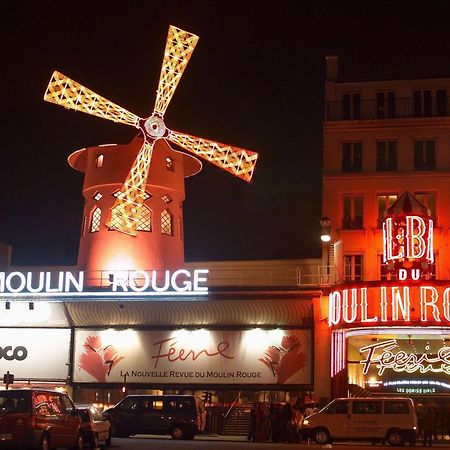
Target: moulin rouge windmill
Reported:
point(129, 216)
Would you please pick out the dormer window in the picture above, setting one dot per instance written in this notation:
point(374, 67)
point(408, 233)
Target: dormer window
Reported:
point(166, 198)
point(170, 165)
point(99, 162)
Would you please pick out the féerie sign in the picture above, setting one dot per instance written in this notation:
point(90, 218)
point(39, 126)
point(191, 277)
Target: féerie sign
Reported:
point(383, 355)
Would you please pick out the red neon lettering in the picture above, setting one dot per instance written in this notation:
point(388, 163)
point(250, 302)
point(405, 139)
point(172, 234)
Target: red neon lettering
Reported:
point(172, 354)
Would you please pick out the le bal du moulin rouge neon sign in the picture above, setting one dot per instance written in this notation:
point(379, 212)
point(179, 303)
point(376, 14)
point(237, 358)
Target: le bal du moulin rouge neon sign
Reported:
point(408, 255)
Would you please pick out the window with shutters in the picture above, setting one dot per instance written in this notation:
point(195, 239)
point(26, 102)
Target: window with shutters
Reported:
point(386, 156)
point(351, 157)
point(424, 155)
point(353, 212)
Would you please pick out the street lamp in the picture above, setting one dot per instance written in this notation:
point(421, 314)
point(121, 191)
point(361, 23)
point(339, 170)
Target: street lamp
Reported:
point(325, 237)
point(325, 223)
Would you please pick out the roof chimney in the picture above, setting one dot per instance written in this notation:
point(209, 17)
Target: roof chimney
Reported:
point(332, 64)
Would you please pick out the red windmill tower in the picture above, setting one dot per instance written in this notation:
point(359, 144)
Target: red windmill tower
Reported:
point(137, 223)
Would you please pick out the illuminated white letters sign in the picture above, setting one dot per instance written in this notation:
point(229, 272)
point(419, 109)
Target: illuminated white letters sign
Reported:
point(72, 283)
point(386, 304)
point(408, 245)
point(408, 237)
point(383, 356)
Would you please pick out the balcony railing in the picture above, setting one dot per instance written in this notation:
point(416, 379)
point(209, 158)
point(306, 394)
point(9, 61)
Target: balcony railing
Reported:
point(291, 276)
point(399, 108)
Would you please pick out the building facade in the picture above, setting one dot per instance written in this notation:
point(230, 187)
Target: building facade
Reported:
point(387, 150)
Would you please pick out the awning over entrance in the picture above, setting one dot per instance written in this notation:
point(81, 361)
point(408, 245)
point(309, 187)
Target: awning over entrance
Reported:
point(233, 311)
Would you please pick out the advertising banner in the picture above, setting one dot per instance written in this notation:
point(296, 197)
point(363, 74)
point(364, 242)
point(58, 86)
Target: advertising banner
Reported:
point(37, 353)
point(193, 356)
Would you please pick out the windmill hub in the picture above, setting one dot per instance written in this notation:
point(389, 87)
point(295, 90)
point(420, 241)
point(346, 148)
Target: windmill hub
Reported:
point(154, 127)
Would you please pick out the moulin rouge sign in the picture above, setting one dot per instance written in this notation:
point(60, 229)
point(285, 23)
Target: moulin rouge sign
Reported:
point(385, 304)
point(408, 253)
point(133, 282)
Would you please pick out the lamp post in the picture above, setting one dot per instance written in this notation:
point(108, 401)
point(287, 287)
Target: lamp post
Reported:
point(325, 237)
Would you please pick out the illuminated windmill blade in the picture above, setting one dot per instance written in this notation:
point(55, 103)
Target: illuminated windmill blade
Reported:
point(238, 161)
point(125, 212)
point(179, 47)
point(72, 95)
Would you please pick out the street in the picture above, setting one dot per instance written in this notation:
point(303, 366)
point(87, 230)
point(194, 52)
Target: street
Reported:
point(231, 443)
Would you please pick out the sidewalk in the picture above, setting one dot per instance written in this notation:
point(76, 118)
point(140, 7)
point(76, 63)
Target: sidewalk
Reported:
point(219, 437)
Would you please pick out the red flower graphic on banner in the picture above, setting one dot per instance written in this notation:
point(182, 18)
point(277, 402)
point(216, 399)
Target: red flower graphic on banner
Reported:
point(98, 360)
point(285, 360)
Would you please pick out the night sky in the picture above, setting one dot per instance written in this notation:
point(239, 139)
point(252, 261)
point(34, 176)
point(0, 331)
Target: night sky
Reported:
point(255, 80)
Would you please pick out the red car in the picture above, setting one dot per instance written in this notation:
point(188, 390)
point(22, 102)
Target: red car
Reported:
point(39, 419)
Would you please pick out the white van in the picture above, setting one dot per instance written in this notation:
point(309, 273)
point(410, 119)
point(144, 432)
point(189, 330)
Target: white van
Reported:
point(386, 419)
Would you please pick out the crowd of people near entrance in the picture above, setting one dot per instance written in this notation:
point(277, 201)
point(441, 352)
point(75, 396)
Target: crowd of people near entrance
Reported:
point(278, 422)
point(282, 423)
point(433, 421)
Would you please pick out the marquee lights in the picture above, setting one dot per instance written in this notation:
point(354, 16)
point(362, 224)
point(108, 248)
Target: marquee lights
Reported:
point(416, 383)
point(66, 283)
point(404, 362)
point(384, 304)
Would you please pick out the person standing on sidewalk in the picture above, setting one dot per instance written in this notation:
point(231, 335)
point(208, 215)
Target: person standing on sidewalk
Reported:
point(252, 434)
point(429, 425)
point(286, 418)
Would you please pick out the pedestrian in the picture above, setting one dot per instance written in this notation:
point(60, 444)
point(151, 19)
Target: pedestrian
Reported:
point(429, 425)
point(310, 409)
point(446, 424)
point(286, 418)
point(262, 431)
point(420, 411)
point(275, 422)
point(252, 433)
point(296, 424)
point(266, 421)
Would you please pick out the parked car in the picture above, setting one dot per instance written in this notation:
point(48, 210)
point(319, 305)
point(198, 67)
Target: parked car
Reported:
point(181, 416)
point(96, 428)
point(39, 419)
point(392, 420)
